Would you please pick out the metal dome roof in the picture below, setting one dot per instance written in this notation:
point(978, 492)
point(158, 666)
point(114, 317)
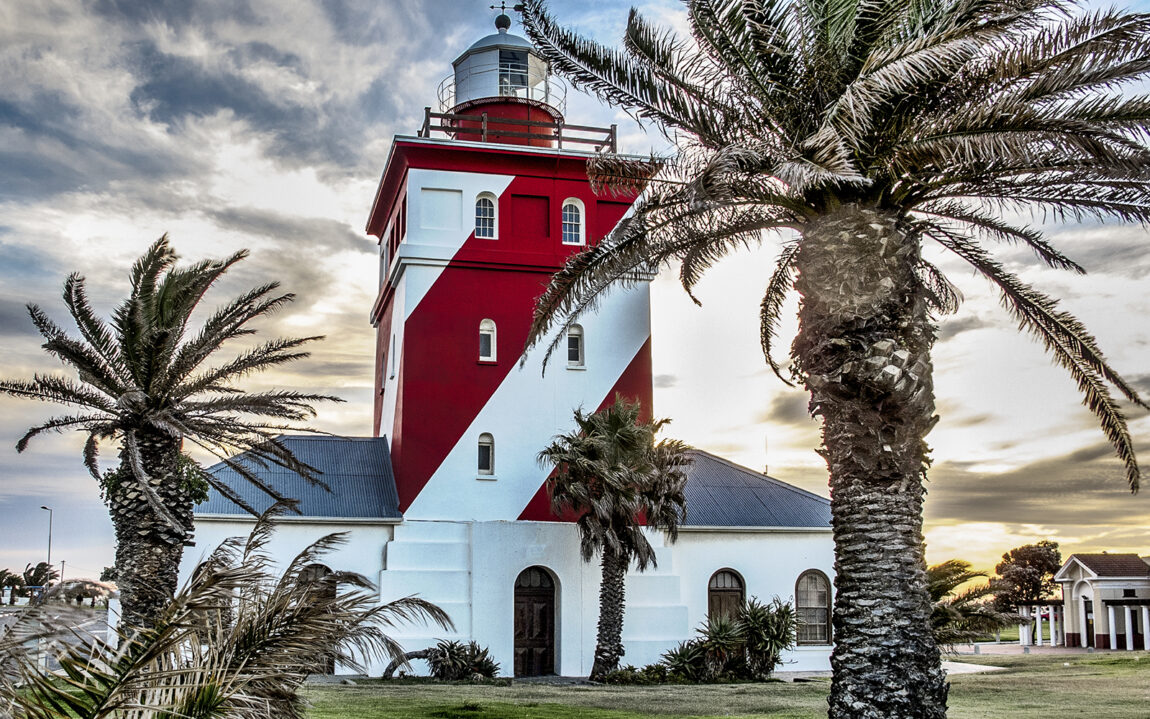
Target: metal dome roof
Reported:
point(497, 39)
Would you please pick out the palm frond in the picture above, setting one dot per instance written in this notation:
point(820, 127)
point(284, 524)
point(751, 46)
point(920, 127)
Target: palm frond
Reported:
point(1066, 339)
point(777, 288)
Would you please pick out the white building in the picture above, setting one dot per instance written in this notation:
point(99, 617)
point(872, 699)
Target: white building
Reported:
point(1106, 601)
point(447, 501)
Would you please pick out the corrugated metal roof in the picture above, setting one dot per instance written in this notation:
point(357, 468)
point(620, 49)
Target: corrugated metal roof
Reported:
point(1114, 565)
point(358, 470)
point(723, 494)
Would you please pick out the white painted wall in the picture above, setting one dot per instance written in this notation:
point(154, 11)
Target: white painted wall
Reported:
point(469, 568)
point(362, 553)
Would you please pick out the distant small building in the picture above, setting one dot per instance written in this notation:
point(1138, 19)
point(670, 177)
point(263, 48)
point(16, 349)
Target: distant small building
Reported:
point(1106, 600)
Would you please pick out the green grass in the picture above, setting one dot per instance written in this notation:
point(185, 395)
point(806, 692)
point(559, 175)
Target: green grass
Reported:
point(1100, 686)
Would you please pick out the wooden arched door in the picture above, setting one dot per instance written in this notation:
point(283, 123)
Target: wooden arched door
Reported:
point(534, 623)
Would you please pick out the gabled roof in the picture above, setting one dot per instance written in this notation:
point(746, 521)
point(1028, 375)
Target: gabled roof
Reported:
point(358, 470)
point(1110, 565)
point(721, 493)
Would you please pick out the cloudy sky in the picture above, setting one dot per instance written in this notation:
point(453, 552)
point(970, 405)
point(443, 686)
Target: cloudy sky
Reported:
point(266, 125)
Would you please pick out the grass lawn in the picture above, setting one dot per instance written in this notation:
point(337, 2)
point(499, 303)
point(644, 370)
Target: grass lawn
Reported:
point(1098, 685)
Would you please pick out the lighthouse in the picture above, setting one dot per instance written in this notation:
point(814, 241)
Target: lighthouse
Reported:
point(474, 216)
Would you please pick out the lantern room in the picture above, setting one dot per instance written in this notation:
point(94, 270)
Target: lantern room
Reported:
point(502, 68)
point(502, 90)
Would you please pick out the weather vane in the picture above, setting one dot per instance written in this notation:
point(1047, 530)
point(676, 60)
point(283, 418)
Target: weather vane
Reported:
point(502, 7)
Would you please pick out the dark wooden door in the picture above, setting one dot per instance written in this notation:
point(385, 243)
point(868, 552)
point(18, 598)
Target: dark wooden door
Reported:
point(534, 623)
point(1089, 638)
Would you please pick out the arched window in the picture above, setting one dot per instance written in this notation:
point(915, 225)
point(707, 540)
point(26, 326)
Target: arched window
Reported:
point(485, 216)
point(486, 454)
point(813, 607)
point(725, 594)
point(575, 346)
point(313, 576)
point(574, 229)
point(487, 341)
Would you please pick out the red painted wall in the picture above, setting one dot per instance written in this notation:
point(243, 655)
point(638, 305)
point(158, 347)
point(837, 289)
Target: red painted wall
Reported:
point(442, 385)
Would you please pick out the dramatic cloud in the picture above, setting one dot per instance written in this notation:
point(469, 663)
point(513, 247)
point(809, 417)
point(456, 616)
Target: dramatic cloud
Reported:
point(788, 408)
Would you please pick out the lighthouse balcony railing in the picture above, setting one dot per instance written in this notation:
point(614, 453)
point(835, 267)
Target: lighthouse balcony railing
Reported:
point(480, 128)
point(503, 79)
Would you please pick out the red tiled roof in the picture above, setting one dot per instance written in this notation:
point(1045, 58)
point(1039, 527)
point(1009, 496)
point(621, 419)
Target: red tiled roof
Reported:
point(1114, 565)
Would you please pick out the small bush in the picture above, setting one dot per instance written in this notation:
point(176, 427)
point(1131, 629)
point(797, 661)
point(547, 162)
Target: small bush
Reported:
point(768, 631)
point(455, 661)
point(747, 646)
point(650, 674)
point(687, 662)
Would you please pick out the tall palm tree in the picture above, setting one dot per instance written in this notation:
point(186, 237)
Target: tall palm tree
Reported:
point(143, 382)
point(959, 617)
point(612, 474)
point(867, 128)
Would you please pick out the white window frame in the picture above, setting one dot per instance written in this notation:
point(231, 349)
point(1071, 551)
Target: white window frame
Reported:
point(485, 440)
point(487, 328)
point(578, 205)
point(824, 626)
point(581, 361)
point(490, 197)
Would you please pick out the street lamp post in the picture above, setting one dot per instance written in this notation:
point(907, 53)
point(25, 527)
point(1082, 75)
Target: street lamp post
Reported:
point(49, 510)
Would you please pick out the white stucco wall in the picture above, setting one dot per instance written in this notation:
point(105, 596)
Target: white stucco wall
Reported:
point(469, 568)
point(361, 553)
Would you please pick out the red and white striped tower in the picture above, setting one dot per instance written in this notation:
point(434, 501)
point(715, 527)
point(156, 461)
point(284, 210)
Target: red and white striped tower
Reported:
point(474, 215)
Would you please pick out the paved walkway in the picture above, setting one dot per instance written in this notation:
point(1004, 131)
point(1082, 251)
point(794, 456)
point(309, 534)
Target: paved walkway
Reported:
point(985, 648)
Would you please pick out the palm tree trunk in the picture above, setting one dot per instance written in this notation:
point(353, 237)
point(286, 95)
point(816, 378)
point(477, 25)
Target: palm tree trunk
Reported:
point(864, 350)
point(148, 547)
point(609, 640)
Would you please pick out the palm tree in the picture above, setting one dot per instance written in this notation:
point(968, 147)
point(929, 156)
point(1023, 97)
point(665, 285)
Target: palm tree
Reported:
point(612, 474)
point(966, 616)
point(40, 575)
point(143, 382)
point(867, 128)
point(236, 641)
point(11, 581)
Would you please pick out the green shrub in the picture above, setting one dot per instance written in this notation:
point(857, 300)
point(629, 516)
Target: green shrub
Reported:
point(722, 642)
point(687, 662)
point(747, 646)
point(768, 631)
point(454, 661)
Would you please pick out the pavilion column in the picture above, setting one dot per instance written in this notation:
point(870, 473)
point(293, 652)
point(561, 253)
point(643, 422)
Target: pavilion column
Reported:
point(1126, 617)
point(1082, 620)
point(1146, 628)
point(1113, 628)
point(1038, 625)
point(1024, 626)
point(1054, 624)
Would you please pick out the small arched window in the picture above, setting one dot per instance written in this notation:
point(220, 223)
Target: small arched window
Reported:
point(486, 210)
point(725, 594)
point(486, 454)
point(574, 228)
point(813, 607)
point(575, 353)
point(487, 341)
